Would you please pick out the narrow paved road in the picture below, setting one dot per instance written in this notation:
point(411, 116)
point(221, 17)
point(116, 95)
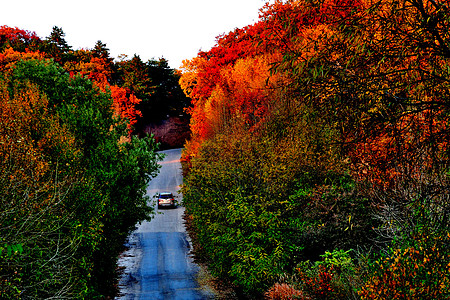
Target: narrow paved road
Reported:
point(158, 264)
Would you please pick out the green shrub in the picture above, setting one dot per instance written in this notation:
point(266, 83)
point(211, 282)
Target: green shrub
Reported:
point(332, 277)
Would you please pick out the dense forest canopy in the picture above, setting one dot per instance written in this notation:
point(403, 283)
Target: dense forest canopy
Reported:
point(318, 163)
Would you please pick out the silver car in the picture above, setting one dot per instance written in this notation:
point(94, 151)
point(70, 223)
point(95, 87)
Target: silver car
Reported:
point(166, 199)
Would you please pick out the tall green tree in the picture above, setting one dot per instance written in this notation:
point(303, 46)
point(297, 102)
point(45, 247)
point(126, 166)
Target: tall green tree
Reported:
point(57, 39)
point(134, 76)
point(55, 45)
point(167, 98)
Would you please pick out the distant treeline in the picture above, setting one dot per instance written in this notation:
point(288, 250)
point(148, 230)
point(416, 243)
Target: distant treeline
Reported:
point(146, 92)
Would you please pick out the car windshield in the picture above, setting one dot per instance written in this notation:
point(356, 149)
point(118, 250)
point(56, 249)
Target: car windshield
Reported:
point(165, 196)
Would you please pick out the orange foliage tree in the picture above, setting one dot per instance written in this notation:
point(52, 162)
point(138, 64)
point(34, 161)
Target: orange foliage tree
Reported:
point(9, 57)
point(98, 70)
point(18, 39)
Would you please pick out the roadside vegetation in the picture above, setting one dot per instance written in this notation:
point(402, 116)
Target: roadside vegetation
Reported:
point(318, 166)
point(73, 173)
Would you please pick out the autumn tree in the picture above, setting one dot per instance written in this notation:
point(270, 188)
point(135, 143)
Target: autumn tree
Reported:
point(18, 39)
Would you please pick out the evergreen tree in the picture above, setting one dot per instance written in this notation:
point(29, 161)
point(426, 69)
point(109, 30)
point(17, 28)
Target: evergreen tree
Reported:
point(55, 45)
point(57, 38)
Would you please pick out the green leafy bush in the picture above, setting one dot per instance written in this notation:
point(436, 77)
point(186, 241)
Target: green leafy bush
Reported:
point(242, 222)
point(332, 277)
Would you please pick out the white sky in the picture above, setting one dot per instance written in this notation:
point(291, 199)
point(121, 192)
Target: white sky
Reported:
point(173, 29)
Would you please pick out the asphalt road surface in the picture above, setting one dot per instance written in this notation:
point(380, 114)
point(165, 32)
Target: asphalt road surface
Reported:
point(158, 264)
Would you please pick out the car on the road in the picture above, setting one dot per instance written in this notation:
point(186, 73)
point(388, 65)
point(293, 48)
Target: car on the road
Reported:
point(165, 199)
